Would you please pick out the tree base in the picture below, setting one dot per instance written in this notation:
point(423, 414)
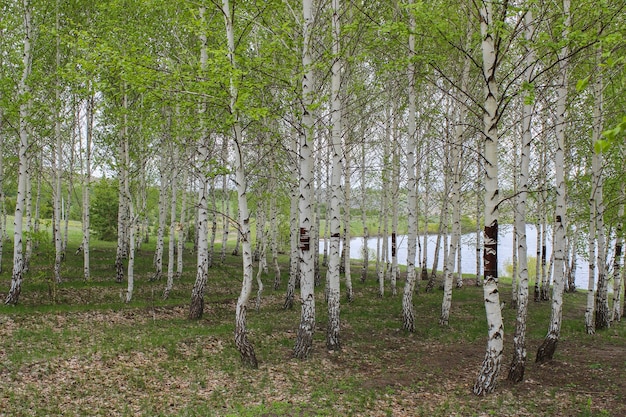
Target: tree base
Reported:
point(246, 350)
point(288, 304)
point(516, 373)
point(304, 343)
point(486, 382)
point(603, 317)
point(546, 350)
point(197, 308)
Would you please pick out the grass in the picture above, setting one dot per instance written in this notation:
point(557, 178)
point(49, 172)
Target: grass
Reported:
point(86, 352)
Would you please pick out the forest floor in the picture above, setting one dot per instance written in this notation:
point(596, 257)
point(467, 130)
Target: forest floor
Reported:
point(78, 350)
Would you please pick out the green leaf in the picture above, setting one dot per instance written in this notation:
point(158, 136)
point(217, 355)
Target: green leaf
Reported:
point(612, 133)
point(581, 84)
point(601, 146)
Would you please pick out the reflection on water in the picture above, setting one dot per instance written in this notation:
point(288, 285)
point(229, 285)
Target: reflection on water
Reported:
point(468, 251)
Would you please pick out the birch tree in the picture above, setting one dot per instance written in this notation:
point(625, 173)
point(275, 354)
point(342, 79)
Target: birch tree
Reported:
point(395, 195)
point(408, 312)
point(294, 251)
point(244, 346)
point(132, 231)
point(58, 157)
point(196, 308)
point(334, 258)
point(86, 189)
point(347, 193)
point(2, 196)
point(304, 340)
point(548, 347)
point(123, 207)
point(616, 314)
point(594, 215)
point(487, 377)
point(225, 203)
point(172, 227)
point(518, 364)
point(366, 233)
point(24, 114)
point(455, 197)
point(163, 194)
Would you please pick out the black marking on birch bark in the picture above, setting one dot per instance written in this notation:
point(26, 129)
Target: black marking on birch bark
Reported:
point(491, 250)
point(393, 244)
point(336, 235)
point(305, 239)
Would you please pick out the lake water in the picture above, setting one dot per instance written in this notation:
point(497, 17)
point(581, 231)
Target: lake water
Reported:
point(468, 251)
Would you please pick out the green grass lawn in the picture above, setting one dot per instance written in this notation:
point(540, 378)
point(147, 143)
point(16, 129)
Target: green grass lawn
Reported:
point(80, 350)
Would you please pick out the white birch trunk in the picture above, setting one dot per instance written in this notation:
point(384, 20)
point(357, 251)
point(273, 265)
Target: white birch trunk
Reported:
point(22, 90)
point(87, 189)
point(182, 227)
point(122, 215)
point(603, 312)
point(395, 192)
point(171, 248)
point(518, 364)
point(66, 215)
point(548, 347)
point(214, 210)
point(382, 257)
point(591, 243)
point(244, 346)
point(304, 340)
point(196, 308)
point(225, 203)
point(197, 294)
point(2, 196)
point(334, 258)
point(616, 314)
point(315, 236)
point(425, 200)
point(478, 237)
point(346, 225)
point(261, 236)
point(326, 232)
point(455, 197)
point(28, 250)
point(488, 375)
point(366, 234)
point(163, 200)
point(131, 251)
point(57, 162)
point(294, 252)
point(514, 260)
point(131, 223)
point(440, 231)
point(408, 312)
point(259, 280)
point(596, 224)
point(143, 234)
point(544, 290)
point(274, 233)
